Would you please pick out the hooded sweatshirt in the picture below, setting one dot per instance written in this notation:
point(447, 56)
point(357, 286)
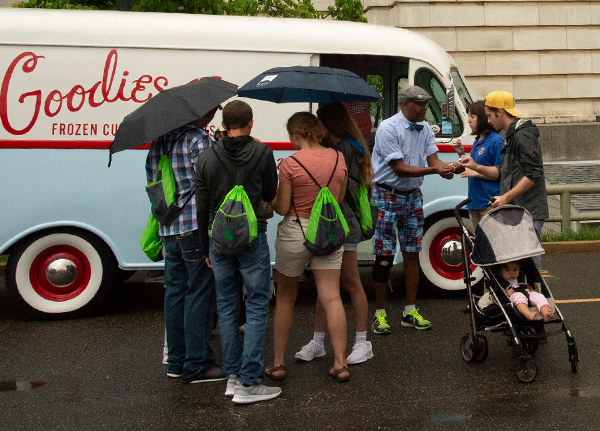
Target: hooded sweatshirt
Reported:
point(255, 164)
point(522, 157)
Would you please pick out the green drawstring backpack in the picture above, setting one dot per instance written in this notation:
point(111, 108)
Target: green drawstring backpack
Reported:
point(367, 211)
point(234, 226)
point(327, 228)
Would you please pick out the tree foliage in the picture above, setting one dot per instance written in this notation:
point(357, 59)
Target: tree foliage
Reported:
point(346, 10)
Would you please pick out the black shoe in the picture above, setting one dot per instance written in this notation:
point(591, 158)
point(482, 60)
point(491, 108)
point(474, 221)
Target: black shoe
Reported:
point(214, 374)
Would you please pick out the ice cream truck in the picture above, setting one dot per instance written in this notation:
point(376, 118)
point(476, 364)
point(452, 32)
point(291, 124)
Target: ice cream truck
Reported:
point(70, 224)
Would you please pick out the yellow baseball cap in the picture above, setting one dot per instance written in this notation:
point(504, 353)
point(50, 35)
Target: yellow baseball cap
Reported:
point(502, 100)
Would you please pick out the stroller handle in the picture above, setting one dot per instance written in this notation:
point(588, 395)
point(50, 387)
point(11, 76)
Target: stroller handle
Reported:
point(457, 210)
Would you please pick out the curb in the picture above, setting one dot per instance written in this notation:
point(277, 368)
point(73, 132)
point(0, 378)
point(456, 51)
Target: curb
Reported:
point(571, 246)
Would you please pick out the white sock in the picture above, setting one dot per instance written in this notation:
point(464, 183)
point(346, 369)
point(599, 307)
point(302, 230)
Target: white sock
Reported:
point(361, 337)
point(409, 308)
point(319, 338)
point(379, 310)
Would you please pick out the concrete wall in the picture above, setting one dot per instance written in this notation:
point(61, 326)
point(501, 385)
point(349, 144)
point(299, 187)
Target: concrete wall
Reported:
point(546, 53)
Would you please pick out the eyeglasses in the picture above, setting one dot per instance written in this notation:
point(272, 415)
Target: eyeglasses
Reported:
point(422, 104)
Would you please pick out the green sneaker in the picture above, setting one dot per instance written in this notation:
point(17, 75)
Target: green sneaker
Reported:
point(380, 325)
point(415, 320)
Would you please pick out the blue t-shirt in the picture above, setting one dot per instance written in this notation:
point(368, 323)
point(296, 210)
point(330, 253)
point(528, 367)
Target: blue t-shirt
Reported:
point(485, 152)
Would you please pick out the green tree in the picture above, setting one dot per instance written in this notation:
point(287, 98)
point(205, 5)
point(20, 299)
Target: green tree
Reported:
point(347, 10)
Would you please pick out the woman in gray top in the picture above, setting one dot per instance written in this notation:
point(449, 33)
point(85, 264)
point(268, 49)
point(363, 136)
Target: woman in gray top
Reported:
point(343, 134)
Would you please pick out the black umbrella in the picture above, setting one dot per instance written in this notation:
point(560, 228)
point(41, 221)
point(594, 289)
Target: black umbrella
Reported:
point(308, 84)
point(170, 109)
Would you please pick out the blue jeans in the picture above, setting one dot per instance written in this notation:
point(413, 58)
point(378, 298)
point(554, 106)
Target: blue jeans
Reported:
point(254, 267)
point(190, 305)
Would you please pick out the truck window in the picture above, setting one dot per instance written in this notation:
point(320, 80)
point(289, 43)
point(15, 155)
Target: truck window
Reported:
point(461, 87)
point(426, 79)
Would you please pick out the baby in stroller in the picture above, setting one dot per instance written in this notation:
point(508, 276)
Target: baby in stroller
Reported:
point(514, 283)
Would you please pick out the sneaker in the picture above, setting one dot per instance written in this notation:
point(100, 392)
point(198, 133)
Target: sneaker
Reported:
point(360, 353)
point(213, 375)
point(311, 351)
point(173, 375)
point(380, 325)
point(253, 394)
point(232, 382)
point(415, 320)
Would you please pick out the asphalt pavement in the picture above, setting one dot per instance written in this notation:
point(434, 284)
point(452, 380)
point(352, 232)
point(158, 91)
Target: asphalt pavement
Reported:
point(105, 372)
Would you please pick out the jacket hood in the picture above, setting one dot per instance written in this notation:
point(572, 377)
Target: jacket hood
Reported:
point(522, 125)
point(238, 150)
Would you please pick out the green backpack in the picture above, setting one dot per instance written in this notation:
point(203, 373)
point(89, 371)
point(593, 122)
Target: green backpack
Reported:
point(327, 228)
point(162, 191)
point(367, 211)
point(234, 226)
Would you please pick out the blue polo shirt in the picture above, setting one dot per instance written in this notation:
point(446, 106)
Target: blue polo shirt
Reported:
point(485, 152)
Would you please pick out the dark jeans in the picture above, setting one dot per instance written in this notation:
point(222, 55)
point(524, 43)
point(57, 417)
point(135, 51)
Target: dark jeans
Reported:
point(190, 305)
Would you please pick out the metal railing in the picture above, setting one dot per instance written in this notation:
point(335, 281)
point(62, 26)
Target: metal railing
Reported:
point(565, 191)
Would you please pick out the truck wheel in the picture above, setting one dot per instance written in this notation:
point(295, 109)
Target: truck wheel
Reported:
point(440, 258)
point(61, 273)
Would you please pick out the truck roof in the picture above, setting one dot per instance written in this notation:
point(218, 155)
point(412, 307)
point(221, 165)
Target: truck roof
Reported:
point(47, 27)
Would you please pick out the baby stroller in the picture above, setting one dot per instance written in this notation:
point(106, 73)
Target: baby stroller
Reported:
point(506, 234)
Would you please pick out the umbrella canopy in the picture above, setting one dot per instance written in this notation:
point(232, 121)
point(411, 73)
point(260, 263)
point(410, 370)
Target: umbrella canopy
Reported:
point(311, 84)
point(170, 109)
point(505, 234)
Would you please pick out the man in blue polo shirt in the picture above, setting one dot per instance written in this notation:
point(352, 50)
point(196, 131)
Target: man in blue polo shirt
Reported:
point(404, 152)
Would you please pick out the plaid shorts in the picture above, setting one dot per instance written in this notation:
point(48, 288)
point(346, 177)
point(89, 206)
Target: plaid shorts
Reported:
point(399, 215)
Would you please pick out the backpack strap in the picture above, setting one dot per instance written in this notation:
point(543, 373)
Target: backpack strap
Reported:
point(337, 157)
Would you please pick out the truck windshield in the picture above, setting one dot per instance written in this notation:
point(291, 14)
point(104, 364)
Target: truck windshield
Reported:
point(461, 87)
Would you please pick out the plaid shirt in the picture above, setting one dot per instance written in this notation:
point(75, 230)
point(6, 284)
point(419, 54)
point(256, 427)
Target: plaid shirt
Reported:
point(188, 142)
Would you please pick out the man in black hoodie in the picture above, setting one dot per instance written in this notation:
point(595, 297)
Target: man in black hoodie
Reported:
point(521, 173)
point(253, 162)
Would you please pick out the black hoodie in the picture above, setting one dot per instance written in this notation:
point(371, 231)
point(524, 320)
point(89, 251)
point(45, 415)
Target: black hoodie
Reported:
point(214, 181)
point(522, 157)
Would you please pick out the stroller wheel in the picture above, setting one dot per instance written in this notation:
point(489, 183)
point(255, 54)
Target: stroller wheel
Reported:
point(482, 348)
point(468, 349)
point(526, 370)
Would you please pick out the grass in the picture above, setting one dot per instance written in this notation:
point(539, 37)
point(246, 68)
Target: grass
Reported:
point(585, 233)
point(3, 258)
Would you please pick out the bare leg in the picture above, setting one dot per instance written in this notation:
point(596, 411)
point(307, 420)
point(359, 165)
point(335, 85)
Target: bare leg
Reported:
point(411, 276)
point(351, 283)
point(328, 289)
point(547, 313)
point(524, 310)
point(287, 291)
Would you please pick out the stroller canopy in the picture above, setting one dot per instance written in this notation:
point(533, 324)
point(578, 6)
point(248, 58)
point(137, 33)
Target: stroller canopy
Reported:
point(505, 234)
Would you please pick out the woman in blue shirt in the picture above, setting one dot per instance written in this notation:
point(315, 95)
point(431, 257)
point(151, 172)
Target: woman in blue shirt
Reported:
point(486, 151)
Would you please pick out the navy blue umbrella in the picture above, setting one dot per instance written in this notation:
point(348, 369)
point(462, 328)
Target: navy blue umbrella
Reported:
point(308, 84)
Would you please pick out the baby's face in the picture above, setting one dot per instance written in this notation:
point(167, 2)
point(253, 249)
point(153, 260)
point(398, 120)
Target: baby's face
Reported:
point(510, 271)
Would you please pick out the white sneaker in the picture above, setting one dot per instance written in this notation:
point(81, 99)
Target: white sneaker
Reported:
point(311, 351)
point(254, 394)
point(232, 381)
point(360, 353)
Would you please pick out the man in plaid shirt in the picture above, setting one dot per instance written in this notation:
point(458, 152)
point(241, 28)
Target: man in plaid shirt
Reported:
point(190, 305)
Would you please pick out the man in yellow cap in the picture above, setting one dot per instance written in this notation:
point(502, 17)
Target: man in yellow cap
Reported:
point(521, 172)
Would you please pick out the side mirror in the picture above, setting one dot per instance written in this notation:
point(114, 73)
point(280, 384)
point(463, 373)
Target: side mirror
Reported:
point(450, 104)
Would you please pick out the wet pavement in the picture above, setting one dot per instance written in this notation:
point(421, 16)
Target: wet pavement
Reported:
point(105, 373)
